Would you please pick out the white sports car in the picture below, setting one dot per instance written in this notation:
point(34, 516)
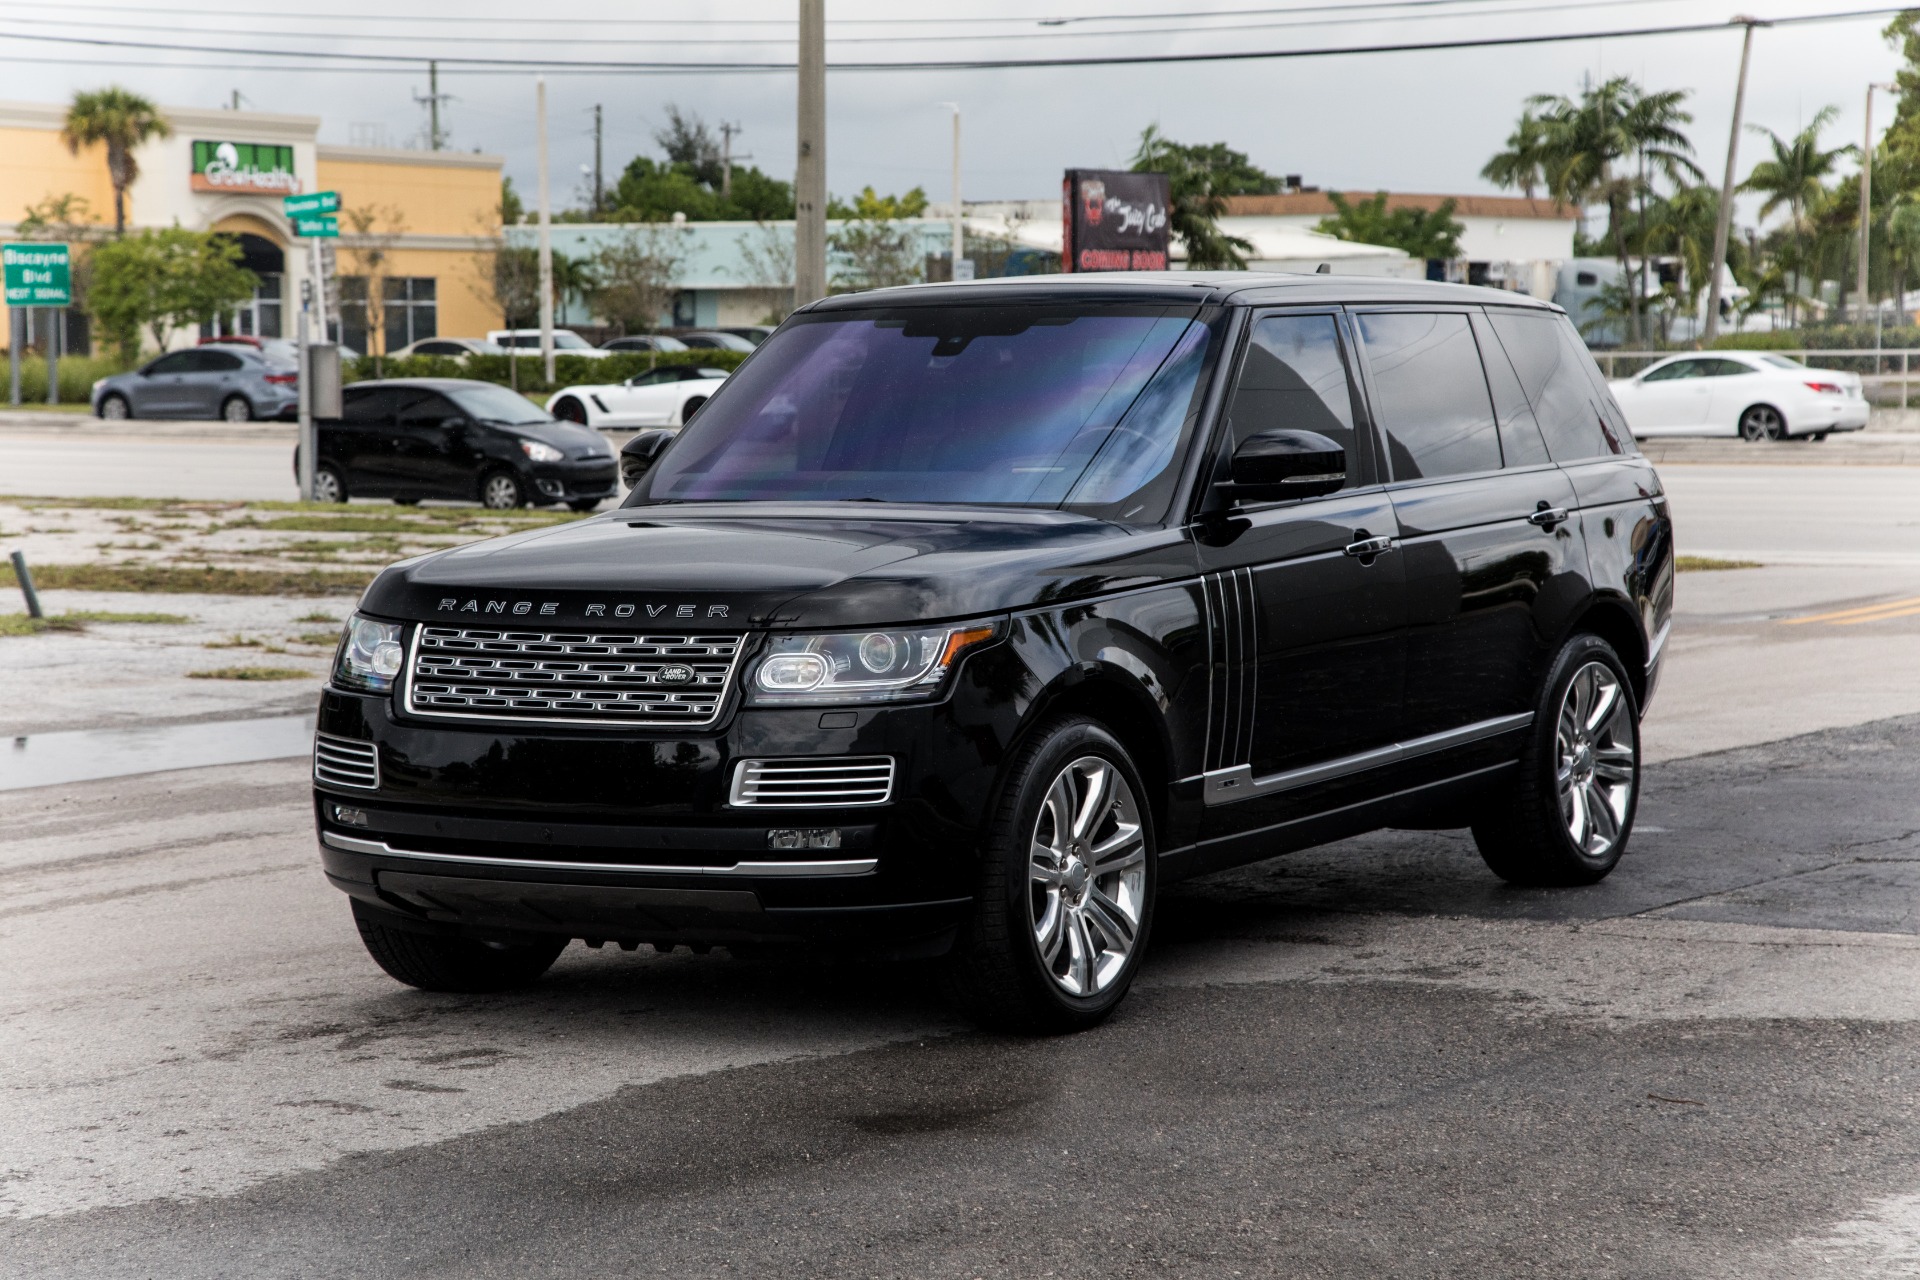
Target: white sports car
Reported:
point(1756, 395)
point(657, 398)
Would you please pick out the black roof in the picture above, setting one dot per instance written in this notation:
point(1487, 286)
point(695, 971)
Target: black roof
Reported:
point(1243, 288)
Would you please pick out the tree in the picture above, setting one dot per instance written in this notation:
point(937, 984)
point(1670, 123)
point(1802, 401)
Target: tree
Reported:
point(512, 211)
point(1683, 225)
point(66, 218)
point(572, 278)
point(1522, 165)
point(690, 181)
point(1794, 175)
point(1423, 233)
point(119, 120)
point(632, 277)
point(376, 230)
point(164, 280)
point(513, 283)
point(870, 250)
point(1195, 201)
point(766, 260)
point(689, 143)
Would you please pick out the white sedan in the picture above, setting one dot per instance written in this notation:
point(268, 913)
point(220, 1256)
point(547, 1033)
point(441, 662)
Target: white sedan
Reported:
point(657, 398)
point(1756, 395)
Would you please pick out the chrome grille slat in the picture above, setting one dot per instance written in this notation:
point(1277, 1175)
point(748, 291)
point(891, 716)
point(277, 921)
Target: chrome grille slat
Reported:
point(569, 677)
point(812, 782)
point(346, 762)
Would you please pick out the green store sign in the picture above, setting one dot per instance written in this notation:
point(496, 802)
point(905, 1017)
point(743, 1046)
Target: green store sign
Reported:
point(243, 168)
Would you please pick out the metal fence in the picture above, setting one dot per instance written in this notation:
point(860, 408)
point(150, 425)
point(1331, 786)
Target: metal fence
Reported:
point(1885, 373)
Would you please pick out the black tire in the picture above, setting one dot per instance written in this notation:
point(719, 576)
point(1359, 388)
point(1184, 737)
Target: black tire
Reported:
point(571, 410)
point(236, 409)
point(406, 502)
point(329, 485)
point(114, 408)
point(1762, 422)
point(997, 973)
point(1818, 437)
point(1526, 834)
point(434, 963)
point(690, 408)
point(502, 491)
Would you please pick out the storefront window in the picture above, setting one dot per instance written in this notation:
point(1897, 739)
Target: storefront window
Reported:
point(409, 307)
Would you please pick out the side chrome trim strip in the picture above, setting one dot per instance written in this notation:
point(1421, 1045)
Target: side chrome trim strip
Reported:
point(1225, 786)
point(778, 870)
point(1659, 644)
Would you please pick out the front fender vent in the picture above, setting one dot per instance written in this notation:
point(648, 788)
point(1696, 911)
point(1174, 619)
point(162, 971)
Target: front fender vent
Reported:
point(812, 782)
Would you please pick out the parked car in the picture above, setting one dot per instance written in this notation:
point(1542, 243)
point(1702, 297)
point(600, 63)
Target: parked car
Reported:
point(565, 342)
point(714, 340)
point(455, 348)
point(1756, 395)
point(754, 333)
point(965, 617)
point(657, 398)
point(644, 342)
point(414, 438)
point(233, 382)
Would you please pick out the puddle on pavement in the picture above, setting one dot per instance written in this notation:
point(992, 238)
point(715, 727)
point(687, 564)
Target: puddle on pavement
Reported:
point(81, 755)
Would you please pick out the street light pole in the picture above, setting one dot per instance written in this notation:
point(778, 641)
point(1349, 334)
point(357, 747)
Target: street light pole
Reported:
point(1724, 224)
point(1866, 203)
point(810, 172)
point(546, 234)
point(959, 212)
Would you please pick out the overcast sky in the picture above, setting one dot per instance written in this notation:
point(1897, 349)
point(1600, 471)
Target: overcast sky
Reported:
point(1421, 121)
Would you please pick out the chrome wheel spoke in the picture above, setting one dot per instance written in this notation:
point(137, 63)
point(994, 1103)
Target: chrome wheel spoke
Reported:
point(1605, 698)
point(1099, 782)
point(1606, 827)
point(1045, 865)
point(1597, 762)
point(1111, 919)
point(1049, 933)
point(1087, 868)
point(1080, 961)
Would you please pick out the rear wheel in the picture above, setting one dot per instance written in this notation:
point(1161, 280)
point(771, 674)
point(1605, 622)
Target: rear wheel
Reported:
point(571, 410)
point(690, 408)
point(1065, 901)
point(434, 963)
point(1567, 816)
point(236, 409)
point(1762, 422)
point(116, 409)
point(501, 491)
point(1817, 437)
point(328, 486)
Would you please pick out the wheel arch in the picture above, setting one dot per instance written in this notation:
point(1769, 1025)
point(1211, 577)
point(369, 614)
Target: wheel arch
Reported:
point(1115, 699)
point(1786, 423)
point(1613, 620)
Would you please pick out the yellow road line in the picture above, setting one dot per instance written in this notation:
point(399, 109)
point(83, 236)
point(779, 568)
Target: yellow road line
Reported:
point(1865, 613)
point(1907, 612)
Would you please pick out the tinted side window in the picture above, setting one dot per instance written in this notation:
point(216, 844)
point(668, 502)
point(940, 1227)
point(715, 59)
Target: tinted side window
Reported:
point(1430, 394)
point(373, 405)
point(431, 411)
point(1731, 369)
point(1295, 378)
point(219, 362)
point(178, 362)
point(1521, 444)
point(1678, 369)
point(1551, 364)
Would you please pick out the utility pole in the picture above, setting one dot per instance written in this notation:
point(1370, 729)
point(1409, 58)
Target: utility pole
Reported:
point(546, 233)
point(1724, 224)
point(810, 174)
point(1866, 202)
point(726, 159)
point(959, 214)
point(599, 187)
point(436, 140)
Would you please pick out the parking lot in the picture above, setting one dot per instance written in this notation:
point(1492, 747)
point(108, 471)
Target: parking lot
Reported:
point(1372, 1059)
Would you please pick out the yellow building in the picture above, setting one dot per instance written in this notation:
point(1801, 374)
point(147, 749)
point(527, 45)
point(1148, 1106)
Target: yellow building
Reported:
point(423, 223)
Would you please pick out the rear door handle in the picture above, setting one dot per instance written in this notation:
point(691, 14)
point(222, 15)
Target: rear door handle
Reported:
point(1547, 517)
point(1369, 546)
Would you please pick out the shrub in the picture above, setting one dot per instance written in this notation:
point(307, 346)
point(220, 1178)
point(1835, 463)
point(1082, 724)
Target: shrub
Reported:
point(568, 370)
point(77, 376)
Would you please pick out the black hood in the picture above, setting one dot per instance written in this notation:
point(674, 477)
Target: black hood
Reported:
point(825, 565)
point(574, 441)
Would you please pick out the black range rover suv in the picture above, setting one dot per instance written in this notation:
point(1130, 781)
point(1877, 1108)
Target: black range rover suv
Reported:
point(964, 617)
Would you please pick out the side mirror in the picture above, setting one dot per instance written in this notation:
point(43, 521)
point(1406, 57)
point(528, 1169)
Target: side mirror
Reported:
point(1278, 465)
point(638, 455)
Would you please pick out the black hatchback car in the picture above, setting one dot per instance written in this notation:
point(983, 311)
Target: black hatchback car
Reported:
point(964, 617)
point(414, 438)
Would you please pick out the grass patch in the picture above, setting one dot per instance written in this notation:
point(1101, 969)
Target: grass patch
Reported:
point(120, 504)
point(19, 624)
point(338, 524)
point(1701, 564)
point(206, 580)
point(315, 637)
point(235, 641)
point(250, 673)
point(318, 616)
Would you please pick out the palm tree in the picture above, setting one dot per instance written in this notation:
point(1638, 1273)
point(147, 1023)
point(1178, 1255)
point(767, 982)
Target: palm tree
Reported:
point(121, 120)
point(1795, 176)
point(1522, 165)
point(1683, 225)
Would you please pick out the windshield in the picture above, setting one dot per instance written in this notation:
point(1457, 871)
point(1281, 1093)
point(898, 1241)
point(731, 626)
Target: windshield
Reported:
point(498, 404)
point(1781, 362)
point(1088, 407)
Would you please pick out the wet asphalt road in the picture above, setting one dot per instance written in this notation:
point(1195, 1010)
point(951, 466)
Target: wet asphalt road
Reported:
point(1369, 1060)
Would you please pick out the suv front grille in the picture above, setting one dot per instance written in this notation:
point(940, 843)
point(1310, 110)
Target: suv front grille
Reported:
point(571, 677)
point(812, 782)
point(345, 762)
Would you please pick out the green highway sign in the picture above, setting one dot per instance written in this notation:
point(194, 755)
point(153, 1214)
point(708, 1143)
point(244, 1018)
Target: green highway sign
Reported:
point(312, 202)
point(38, 275)
point(319, 224)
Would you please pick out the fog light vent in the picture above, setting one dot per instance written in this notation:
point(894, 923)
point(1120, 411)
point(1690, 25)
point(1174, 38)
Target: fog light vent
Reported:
point(812, 782)
point(804, 838)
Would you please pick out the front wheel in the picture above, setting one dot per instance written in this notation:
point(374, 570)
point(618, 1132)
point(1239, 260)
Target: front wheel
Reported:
point(1567, 815)
point(115, 409)
point(1066, 893)
point(434, 963)
point(501, 491)
point(1762, 422)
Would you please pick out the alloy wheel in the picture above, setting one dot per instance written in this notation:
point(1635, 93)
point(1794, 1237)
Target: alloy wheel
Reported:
point(114, 409)
point(236, 410)
point(326, 487)
point(1596, 761)
point(500, 493)
point(1761, 423)
point(1087, 876)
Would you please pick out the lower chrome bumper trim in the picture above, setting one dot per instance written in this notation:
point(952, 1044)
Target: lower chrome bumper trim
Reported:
point(761, 870)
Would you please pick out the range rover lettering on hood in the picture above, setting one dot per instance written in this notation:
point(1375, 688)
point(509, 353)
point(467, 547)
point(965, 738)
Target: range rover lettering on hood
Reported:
point(551, 608)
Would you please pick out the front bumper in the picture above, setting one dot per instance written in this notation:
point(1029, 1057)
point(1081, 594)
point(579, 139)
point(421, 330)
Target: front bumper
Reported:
point(573, 481)
point(495, 829)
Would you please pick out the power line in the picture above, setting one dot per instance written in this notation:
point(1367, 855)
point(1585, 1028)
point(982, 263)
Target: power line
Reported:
point(474, 64)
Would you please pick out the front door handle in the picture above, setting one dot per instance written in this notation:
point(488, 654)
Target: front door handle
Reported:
point(1366, 548)
point(1548, 517)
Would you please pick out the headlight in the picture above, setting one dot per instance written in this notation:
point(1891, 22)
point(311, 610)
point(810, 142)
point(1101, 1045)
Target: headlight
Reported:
point(369, 656)
point(540, 452)
point(862, 666)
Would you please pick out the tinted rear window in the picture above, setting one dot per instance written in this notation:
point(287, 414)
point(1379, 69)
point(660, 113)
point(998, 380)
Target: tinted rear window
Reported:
point(1561, 384)
point(1430, 394)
